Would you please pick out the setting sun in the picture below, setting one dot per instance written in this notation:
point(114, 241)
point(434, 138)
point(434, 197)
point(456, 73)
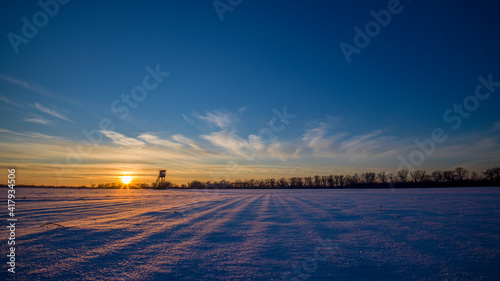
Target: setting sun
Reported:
point(126, 179)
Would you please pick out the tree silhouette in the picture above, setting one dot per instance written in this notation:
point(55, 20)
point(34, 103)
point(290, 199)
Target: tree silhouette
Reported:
point(308, 181)
point(418, 176)
point(449, 176)
point(493, 174)
point(461, 173)
point(282, 183)
point(382, 177)
point(317, 180)
point(339, 180)
point(403, 175)
point(437, 176)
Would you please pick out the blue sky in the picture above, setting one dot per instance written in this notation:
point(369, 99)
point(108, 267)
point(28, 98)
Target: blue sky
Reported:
point(226, 80)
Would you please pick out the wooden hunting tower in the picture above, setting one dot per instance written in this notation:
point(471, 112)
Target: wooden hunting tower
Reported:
point(160, 181)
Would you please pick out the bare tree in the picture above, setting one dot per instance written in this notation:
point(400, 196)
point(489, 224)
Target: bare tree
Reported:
point(369, 177)
point(223, 184)
point(262, 183)
point(252, 182)
point(392, 177)
point(382, 177)
point(272, 182)
point(437, 176)
point(461, 173)
point(308, 181)
point(295, 182)
point(354, 179)
point(474, 176)
point(339, 180)
point(493, 174)
point(282, 183)
point(403, 175)
point(196, 184)
point(347, 180)
point(317, 180)
point(449, 176)
point(418, 176)
point(331, 181)
point(300, 182)
point(324, 181)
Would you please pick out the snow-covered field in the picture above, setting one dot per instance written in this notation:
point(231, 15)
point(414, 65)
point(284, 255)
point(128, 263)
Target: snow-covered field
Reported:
point(405, 234)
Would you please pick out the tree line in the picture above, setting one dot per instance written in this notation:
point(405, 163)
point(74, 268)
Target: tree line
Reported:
point(401, 179)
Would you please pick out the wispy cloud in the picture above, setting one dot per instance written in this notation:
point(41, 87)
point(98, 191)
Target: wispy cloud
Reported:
point(5, 99)
point(185, 141)
point(322, 143)
point(189, 120)
point(283, 151)
point(217, 118)
point(243, 108)
point(120, 139)
point(376, 150)
point(360, 140)
point(152, 139)
point(35, 118)
point(317, 139)
point(179, 143)
point(51, 112)
point(237, 145)
point(221, 119)
point(39, 120)
point(38, 137)
point(32, 87)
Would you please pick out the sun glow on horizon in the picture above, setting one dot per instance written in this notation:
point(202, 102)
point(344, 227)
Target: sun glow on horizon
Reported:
point(126, 179)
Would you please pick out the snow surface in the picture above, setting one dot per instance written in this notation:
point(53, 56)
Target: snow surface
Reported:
point(403, 234)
